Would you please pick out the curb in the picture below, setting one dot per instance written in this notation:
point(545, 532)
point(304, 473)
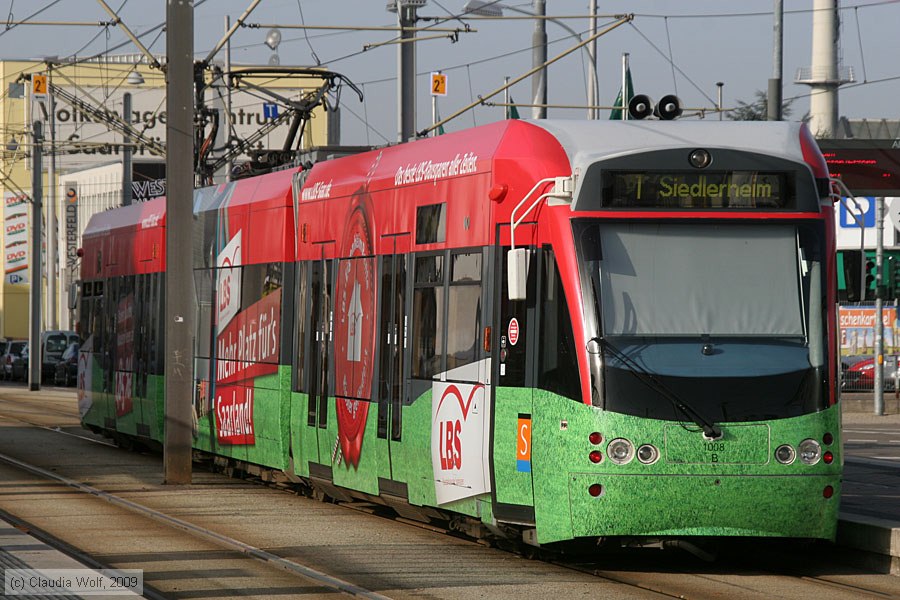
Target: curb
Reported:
point(877, 538)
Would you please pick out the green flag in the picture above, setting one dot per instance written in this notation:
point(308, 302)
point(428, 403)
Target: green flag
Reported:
point(511, 111)
point(616, 113)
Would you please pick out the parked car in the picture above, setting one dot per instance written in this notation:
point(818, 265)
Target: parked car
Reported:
point(19, 364)
point(53, 344)
point(66, 372)
point(861, 375)
point(11, 355)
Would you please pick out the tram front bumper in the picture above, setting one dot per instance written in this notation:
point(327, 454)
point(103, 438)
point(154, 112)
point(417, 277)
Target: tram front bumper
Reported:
point(802, 506)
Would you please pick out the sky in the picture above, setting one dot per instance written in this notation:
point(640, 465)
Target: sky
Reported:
point(674, 47)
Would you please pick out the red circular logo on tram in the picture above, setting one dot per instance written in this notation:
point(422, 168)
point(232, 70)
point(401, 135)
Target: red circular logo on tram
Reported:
point(354, 331)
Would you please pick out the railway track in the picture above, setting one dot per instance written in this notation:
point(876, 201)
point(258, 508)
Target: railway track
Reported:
point(426, 564)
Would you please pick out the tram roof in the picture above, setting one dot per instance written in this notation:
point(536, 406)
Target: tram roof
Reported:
point(151, 213)
point(587, 142)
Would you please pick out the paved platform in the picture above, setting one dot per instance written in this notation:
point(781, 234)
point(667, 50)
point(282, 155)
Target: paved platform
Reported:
point(870, 502)
point(20, 550)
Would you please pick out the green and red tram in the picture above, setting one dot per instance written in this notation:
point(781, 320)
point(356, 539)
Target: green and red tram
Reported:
point(547, 331)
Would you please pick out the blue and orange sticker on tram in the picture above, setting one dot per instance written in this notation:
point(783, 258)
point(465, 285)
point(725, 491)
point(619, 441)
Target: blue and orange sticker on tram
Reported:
point(523, 444)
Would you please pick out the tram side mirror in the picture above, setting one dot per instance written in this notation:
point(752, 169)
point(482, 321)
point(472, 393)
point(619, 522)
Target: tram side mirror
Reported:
point(73, 296)
point(517, 273)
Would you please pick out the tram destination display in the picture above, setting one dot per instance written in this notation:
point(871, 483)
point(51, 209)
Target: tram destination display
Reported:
point(698, 190)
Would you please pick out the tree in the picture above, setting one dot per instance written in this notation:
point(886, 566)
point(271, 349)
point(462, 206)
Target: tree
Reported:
point(757, 110)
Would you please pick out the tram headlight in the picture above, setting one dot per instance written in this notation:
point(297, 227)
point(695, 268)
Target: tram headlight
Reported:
point(700, 158)
point(620, 451)
point(648, 454)
point(810, 451)
point(785, 454)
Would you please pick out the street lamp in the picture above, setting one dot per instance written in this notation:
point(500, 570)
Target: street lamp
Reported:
point(539, 55)
point(135, 78)
point(273, 40)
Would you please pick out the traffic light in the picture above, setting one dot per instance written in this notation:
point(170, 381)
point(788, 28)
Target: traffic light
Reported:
point(870, 275)
point(889, 278)
point(893, 271)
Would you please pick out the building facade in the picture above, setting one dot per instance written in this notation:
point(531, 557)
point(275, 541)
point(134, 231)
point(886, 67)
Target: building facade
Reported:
point(83, 151)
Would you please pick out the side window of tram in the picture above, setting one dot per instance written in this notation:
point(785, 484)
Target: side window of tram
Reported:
point(464, 309)
point(302, 320)
point(557, 361)
point(428, 317)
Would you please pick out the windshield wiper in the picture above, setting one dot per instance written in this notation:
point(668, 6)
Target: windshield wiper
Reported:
point(711, 431)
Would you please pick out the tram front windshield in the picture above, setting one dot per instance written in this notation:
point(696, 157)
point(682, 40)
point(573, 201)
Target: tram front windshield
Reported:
point(727, 318)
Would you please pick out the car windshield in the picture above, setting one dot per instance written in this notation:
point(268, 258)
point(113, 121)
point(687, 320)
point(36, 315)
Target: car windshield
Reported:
point(727, 318)
point(56, 343)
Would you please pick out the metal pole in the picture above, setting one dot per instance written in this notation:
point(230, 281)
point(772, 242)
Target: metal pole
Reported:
point(52, 243)
point(506, 97)
point(879, 306)
point(434, 115)
point(719, 85)
point(624, 86)
point(229, 164)
point(406, 67)
point(34, 329)
point(862, 253)
point(593, 92)
point(539, 57)
point(126, 151)
point(774, 96)
point(179, 318)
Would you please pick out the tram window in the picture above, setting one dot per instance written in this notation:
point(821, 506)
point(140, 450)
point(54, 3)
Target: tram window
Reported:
point(427, 332)
point(302, 323)
point(430, 269)
point(464, 310)
point(273, 278)
point(428, 317)
point(157, 336)
point(465, 267)
point(557, 360)
point(252, 278)
point(203, 287)
point(431, 223)
point(124, 323)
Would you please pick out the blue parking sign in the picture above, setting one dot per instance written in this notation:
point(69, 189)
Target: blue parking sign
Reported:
point(849, 212)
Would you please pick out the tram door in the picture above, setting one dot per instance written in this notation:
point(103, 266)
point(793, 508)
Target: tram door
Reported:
point(515, 343)
point(392, 328)
point(321, 327)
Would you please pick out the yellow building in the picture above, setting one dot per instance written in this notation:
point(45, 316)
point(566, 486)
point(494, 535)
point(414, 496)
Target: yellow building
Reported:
point(81, 141)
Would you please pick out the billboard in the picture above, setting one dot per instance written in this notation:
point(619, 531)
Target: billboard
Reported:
point(16, 225)
point(857, 324)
